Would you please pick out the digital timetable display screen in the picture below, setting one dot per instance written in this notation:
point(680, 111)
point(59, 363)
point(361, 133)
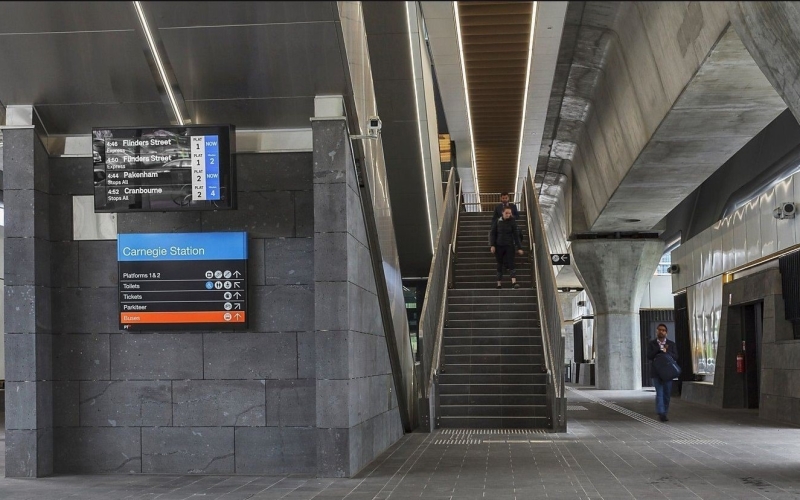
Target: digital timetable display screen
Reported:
point(164, 168)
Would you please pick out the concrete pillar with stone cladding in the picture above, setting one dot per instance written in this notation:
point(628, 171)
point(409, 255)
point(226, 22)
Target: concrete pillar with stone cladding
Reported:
point(28, 339)
point(615, 273)
point(771, 33)
point(357, 414)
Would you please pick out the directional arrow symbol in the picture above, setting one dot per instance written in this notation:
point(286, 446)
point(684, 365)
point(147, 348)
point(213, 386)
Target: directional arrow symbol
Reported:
point(237, 316)
point(237, 295)
point(237, 305)
point(237, 274)
point(236, 284)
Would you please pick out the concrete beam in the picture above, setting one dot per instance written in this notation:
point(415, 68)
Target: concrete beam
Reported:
point(771, 33)
point(656, 96)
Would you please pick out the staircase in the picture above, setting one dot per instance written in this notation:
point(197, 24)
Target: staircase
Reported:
point(492, 374)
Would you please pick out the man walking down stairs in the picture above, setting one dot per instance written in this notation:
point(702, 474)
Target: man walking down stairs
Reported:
point(492, 374)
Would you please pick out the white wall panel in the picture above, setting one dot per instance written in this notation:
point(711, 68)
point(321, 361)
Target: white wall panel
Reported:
point(769, 226)
point(716, 249)
point(739, 238)
point(727, 244)
point(787, 228)
point(660, 293)
point(705, 254)
point(752, 219)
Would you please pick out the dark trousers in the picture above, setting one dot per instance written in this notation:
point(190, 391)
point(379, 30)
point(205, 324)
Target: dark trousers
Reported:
point(663, 392)
point(505, 258)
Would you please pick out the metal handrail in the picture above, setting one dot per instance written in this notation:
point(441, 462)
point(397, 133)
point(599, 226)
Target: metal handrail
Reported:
point(549, 308)
point(433, 308)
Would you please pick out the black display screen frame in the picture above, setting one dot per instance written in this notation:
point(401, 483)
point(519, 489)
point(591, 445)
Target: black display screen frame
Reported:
point(174, 200)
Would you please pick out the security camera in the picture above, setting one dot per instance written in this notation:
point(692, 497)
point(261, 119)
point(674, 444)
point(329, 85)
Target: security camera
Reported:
point(373, 125)
point(785, 210)
point(674, 269)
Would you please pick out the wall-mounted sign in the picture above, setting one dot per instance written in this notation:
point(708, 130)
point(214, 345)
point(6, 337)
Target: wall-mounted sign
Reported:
point(182, 281)
point(164, 169)
point(560, 259)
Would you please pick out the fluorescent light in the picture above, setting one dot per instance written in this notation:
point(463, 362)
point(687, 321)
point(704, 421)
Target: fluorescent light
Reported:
point(466, 97)
point(525, 99)
point(419, 122)
point(159, 65)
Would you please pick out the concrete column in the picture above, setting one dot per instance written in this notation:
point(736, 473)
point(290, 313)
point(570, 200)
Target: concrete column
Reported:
point(28, 339)
point(771, 33)
point(615, 274)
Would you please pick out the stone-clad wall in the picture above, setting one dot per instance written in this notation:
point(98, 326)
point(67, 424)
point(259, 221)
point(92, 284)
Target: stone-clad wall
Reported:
point(28, 308)
point(357, 412)
point(181, 402)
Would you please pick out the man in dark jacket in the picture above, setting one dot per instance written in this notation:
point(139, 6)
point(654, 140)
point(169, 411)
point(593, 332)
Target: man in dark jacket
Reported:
point(504, 203)
point(661, 346)
point(504, 239)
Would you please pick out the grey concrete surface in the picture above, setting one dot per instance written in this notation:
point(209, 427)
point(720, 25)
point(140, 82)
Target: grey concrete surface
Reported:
point(770, 30)
point(649, 99)
point(613, 449)
point(615, 273)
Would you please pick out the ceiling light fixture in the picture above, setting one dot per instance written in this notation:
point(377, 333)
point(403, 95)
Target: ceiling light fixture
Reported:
point(466, 98)
point(159, 64)
point(525, 98)
point(419, 121)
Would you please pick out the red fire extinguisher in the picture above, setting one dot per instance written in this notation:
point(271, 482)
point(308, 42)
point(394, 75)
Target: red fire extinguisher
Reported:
point(740, 360)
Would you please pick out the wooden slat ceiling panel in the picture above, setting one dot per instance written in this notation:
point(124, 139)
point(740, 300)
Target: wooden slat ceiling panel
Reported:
point(495, 37)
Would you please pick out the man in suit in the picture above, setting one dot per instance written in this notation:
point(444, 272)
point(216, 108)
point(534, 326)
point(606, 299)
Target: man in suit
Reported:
point(661, 346)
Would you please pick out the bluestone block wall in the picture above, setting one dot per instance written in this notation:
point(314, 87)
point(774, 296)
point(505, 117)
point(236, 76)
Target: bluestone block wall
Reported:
point(357, 414)
point(307, 389)
point(28, 308)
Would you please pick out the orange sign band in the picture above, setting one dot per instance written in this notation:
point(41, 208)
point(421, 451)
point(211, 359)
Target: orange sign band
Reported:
point(183, 317)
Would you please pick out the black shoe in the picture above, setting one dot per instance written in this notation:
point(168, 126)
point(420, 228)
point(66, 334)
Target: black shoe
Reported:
point(499, 287)
point(662, 417)
point(516, 285)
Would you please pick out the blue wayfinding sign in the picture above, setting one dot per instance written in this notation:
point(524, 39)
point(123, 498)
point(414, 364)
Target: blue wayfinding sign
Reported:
point(181, 246)
point(182, 281)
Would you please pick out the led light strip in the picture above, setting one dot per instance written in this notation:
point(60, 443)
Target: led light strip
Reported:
point(419, 122)
point(525, 98)
point(466, 97)
point(160, 65)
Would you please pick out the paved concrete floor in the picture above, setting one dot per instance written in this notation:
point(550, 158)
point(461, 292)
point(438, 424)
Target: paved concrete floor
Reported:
point(614, 449)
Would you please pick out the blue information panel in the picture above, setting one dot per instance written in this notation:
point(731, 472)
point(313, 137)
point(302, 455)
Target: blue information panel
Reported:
point(205, 167)
point(182, 281)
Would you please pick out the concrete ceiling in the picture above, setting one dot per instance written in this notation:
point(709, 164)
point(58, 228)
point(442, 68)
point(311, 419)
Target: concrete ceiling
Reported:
point(255, 64)
point(649, 99)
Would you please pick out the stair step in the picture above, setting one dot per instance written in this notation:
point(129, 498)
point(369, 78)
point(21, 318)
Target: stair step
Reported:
point(492, 350)
point(491, 293)
point(492, 399)
point(518, 332)
point(493, 410)
point(491, 341)
point(496, 315)
point(487, 369)
point(495, 359)
point(500, 324)
point(492, 378)
point(493, 423)
point(530, 307)
point(496, 389)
